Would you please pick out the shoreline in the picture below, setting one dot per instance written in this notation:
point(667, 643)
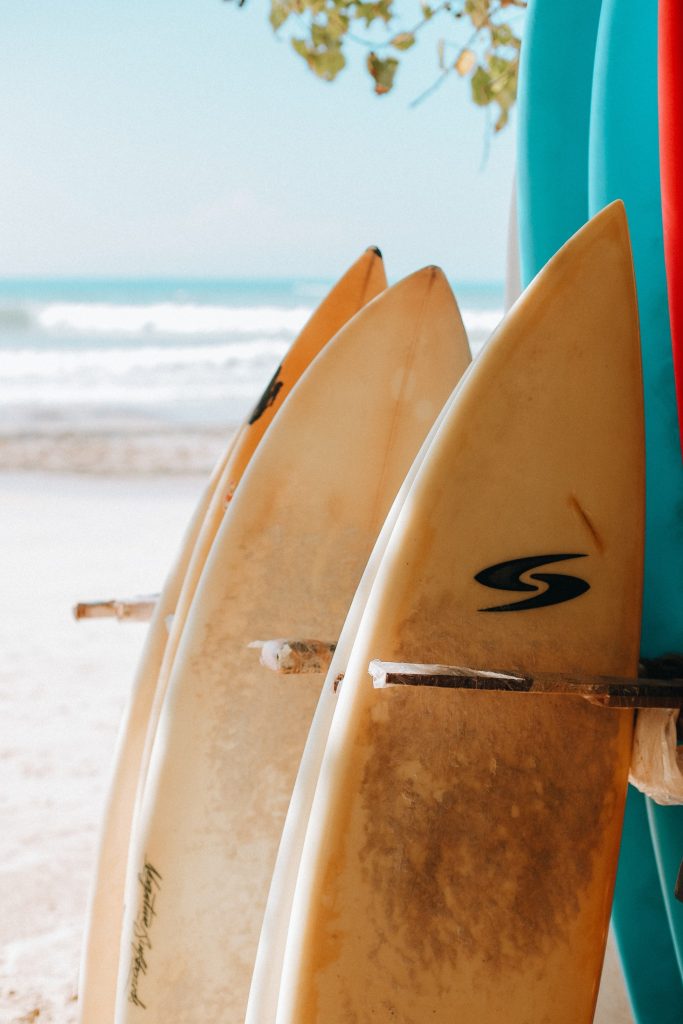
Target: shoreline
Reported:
point(168, 451)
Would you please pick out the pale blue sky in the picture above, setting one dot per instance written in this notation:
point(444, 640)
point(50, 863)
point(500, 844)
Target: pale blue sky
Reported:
point(179, 137)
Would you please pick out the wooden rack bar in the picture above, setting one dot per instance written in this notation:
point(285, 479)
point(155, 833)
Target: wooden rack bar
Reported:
point(606, 691)
point(126, 609)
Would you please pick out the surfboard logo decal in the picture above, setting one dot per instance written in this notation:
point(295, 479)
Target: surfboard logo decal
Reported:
point(559, 587)
point(150, 881)
point(267, 398)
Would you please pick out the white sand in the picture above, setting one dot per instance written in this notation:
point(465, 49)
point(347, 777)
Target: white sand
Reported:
point(129, 452)
point(62, 687)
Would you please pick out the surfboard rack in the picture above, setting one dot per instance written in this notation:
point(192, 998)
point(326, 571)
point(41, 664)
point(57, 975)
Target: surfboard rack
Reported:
point(125, 609)
point(605, 691)
point(659, 685)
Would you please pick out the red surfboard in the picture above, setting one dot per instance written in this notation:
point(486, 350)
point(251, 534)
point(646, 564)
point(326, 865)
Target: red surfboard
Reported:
point(671, 169)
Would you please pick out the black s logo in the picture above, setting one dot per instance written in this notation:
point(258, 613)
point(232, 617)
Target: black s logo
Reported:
point(506, 576)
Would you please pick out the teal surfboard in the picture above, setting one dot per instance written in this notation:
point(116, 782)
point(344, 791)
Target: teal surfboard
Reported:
point(624, 163)
point(555, 101)
point(553, 124)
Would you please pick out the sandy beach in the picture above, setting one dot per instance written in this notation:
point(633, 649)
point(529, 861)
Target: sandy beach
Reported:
point(62, 689)
point(143, 452)
point(70, 536)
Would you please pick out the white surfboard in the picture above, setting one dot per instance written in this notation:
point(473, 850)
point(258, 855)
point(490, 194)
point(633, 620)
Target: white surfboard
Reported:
point(291, 552)
point(99, 967)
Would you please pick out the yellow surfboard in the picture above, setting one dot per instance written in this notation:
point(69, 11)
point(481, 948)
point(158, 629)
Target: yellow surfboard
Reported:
point(289, 553)
point(360, 284)
point(461, 851)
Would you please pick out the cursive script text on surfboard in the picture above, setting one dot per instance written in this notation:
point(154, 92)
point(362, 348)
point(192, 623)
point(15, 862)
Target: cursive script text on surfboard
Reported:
point(150, 883)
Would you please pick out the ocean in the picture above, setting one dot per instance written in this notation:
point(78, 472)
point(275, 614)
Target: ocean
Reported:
point(82, 357)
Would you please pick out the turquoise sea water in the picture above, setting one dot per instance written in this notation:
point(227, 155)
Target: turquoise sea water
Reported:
point(77, 355)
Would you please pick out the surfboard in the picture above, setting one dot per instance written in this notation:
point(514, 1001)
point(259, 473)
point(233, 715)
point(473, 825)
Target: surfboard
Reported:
point(667, 822)
point(265, 981)
point(670, 97)
point(624, 123)
point(553, 202)
point(290, 553)
point(362, 282)
point(461, 849)
point(554, 100)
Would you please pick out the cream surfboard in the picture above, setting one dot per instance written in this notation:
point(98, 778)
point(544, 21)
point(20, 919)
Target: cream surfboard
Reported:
point(265, 982)
point(462, 846)
point(290, 553)
point(362, 282)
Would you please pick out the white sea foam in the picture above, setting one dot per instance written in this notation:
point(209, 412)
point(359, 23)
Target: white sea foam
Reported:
point(169, 318)
point(174, 360)
point(61, 363)
point(145, 393)
point(181, 318)
point(481, 321)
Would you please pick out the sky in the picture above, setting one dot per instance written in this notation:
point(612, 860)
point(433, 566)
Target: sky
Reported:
point(181, 138)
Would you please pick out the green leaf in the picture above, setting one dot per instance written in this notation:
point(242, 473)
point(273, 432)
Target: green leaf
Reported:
point(366, 13)
point(506, 95)
point(328, 64)
point(301, 47)
point(325, 62)
point(502, 35)
point(379, 9)
point(481, 87)
point(385, 9)
point(479, 11)
point(320, 36)
point(337, 24)
point(383, 72)
point(279, 12)
point(502, 73)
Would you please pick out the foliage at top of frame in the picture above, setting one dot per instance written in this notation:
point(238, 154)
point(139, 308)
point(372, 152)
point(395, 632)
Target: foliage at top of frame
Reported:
point(487, 50)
